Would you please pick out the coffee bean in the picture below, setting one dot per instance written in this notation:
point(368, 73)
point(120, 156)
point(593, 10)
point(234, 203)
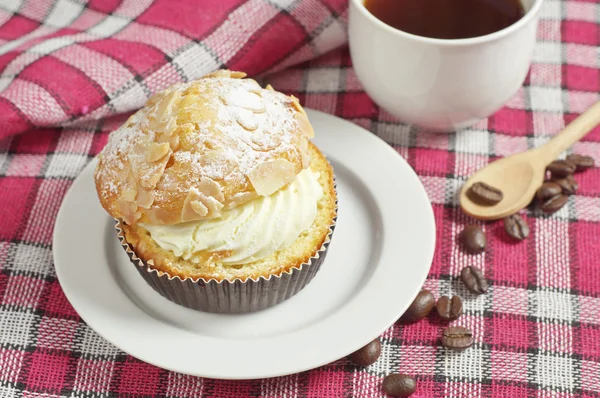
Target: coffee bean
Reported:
point(473, 239)
point(420, 307)
point(484, 194)
point(457, 338)
point(516, 227)
point(561, 168)
point(368, 354)
point(474, 280)
point(581, 162)
point(448, 308)
point(568, 184)
point(548, 190)
point(551, 198)
point(554, 204)
point(399, 385)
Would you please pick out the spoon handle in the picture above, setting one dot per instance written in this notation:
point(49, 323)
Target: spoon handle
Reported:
point(575, 131)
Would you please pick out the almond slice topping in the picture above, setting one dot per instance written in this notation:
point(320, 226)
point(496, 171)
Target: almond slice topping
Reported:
point(157, 151)
point(170, 127)
point(145, 198)
point(129, 194)
point(128, 211)
point(174, 141)
point(240, 198)
point(296, 105)
point(211, 188)
point(241, 98)
point(199, 208)
point(304, 125)
point(192, 212)
point(270, 176)
point(304, 152)
point(214, 206)
point(150, 173)
point(162, 113)
point(246, 119)
point(237, 75)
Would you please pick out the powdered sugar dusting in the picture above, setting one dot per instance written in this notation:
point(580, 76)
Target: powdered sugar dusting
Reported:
point(224, 128)
point(269, 111)
point(117, 152)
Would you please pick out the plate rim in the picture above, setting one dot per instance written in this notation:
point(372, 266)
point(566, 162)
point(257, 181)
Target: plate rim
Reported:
point(319, 117)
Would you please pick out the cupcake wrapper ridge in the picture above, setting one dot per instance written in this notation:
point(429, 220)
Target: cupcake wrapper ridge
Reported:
point(226, 296)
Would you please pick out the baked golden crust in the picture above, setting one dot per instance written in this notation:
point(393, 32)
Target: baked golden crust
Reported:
point(209, 267)
point(200, 147)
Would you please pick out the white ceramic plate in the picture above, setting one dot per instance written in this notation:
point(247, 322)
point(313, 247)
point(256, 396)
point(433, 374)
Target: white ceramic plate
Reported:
point(379, 257)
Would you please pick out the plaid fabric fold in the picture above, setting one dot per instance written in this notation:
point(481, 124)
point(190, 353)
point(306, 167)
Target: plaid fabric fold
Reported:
point(67, 61)
point(537, 329)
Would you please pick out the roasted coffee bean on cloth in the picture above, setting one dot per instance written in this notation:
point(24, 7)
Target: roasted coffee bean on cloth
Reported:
point(561, 168)
point(474, 280)
point(368, 354)
point(473, 239)
point(568, 184)
point(581, 162)
point(516, 227)
point(457, 338)
point(420, 307)
point(449, 308)
point(550, 197)
point(71, 71)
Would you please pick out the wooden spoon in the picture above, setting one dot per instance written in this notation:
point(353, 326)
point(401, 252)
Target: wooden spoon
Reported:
point(519, 176)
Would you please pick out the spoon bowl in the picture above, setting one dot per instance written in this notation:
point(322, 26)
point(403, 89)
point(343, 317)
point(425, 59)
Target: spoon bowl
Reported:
point(519, 176)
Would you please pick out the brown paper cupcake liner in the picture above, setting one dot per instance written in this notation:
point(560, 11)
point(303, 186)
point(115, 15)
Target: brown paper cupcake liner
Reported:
point(226, 296)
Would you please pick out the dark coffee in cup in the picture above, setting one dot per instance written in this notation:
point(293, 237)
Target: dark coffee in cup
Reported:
point(447, 19)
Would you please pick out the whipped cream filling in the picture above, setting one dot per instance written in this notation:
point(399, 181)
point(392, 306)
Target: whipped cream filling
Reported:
point(249, 232)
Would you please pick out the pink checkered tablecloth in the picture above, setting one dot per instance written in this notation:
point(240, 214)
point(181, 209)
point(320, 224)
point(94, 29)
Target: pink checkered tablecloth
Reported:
point(71, 69)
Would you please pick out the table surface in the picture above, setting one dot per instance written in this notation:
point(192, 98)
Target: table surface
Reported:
point(537, 329)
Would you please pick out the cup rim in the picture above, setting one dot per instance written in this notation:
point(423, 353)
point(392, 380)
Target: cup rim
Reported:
point(528, 17)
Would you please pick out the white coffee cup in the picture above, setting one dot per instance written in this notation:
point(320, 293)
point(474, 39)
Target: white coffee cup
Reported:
point(440, 84)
